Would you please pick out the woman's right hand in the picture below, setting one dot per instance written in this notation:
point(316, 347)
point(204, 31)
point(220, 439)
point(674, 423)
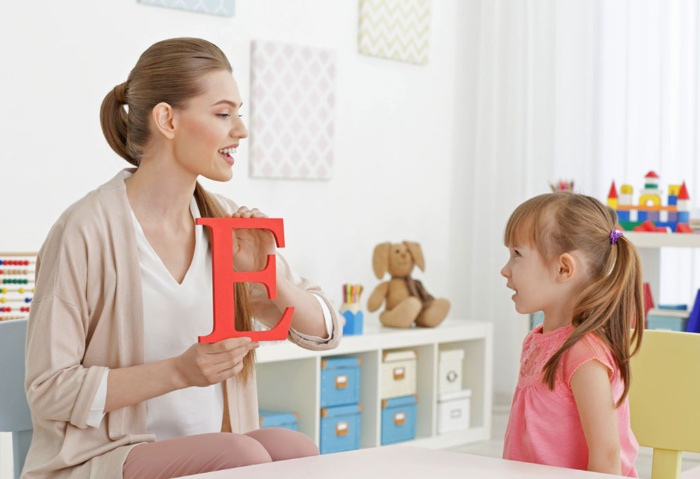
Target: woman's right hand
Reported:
point(204, 364)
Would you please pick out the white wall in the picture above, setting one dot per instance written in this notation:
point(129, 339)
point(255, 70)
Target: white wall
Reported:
point(395, 125)
point(393, 149)
point(393, 145)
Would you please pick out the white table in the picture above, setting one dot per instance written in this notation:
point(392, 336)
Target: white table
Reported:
point(403, 462)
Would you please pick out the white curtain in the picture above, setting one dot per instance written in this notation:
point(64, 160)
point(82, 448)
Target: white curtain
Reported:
point(504, 149)
point(584, 90)
point(630, 90)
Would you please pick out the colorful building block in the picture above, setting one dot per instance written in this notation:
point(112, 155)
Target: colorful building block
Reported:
point(649, 214)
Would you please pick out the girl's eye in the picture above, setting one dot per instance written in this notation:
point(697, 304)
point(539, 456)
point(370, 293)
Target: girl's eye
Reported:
point(223, 115)
point(516, 252)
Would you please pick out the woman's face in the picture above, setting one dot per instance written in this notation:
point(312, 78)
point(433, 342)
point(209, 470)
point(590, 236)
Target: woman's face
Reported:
point(209, 129)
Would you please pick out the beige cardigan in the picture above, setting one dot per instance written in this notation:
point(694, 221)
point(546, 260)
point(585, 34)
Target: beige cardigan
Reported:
point(87, 317)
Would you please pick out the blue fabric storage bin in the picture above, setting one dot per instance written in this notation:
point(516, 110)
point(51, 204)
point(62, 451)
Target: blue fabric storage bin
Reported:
point(398, 419)
point(274, 418)
point(340, 428)
point(340, 381)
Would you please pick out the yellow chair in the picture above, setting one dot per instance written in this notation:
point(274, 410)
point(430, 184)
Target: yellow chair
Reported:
point(664, 398)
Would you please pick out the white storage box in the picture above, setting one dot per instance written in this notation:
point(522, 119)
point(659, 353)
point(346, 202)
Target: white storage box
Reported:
point(453, 411)
point(450, 371)
point(398, 373)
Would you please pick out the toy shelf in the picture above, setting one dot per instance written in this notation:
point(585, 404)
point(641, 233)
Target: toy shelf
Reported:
point(649, 246)
point(661, 240)
point(289, 379)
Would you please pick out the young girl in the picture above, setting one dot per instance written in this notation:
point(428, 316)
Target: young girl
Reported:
point(569, 260)
point(117, 384)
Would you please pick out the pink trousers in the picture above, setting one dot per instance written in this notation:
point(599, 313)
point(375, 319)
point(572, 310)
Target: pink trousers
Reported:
point(213, 452)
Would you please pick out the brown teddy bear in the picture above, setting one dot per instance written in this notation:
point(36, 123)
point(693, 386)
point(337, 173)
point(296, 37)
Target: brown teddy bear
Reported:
point(407, 301)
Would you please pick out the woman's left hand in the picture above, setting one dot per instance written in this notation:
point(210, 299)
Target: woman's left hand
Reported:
point(251, 246)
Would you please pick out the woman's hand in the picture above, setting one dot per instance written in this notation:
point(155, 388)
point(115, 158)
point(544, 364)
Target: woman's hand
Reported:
point(251, 246)
point(204, 364)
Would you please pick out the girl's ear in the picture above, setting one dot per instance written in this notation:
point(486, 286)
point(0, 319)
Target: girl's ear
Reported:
point(566, 267)
point(163, 119)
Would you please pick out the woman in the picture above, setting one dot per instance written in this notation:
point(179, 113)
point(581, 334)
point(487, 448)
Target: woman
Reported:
point(116, 381)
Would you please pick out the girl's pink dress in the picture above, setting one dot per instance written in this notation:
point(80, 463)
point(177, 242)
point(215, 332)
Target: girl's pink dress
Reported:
point(544, 425)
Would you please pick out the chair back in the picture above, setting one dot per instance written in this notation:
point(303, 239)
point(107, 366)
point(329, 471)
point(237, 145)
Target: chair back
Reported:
point(664, 398)
point(14, 411)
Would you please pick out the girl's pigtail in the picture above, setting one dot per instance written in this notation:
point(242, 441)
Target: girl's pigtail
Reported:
point(613, 309)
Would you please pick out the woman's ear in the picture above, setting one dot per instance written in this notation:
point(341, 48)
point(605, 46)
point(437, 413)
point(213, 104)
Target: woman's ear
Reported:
point(566, 267)
point(163, 119)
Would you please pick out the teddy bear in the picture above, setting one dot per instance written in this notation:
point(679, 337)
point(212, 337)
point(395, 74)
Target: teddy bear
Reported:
point(407, 301)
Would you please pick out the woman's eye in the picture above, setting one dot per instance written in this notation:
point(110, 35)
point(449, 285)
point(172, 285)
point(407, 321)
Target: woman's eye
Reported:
point(223, 115)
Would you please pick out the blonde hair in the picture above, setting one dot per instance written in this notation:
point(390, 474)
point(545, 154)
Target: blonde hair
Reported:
point(170, 71)
point(612, 304)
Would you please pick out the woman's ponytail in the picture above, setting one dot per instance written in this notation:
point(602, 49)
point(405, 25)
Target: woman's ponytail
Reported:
point(115, 122)
point(209, 208)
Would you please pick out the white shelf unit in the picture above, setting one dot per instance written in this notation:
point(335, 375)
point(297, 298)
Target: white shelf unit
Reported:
point(289, 379)
point(649, 246)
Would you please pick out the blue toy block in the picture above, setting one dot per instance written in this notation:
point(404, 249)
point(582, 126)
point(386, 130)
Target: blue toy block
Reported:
point(641, 216)
point(623, 215)
point(684, 216)
point(666, 224)
point(672, 200)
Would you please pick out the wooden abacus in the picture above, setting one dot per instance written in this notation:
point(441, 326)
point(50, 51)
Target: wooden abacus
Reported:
point(16, 284)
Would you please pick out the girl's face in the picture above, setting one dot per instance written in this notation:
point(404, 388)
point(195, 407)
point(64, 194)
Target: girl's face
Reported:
point(533, 280)
point(209, 128)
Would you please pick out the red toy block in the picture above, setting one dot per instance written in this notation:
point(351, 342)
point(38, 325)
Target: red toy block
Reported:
point(649, 227)
point(223, 277)
point(683, 228)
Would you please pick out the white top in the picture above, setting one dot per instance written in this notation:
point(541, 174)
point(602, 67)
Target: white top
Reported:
point(186, 308)
point(175, 315)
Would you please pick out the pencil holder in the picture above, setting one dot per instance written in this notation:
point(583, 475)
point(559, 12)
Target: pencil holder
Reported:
point(354, 318)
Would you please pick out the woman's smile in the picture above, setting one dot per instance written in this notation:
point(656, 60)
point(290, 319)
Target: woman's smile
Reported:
point(227, 154)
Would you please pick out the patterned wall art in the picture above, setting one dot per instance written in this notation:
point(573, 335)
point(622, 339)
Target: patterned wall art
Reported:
point(395, 29)
point(222, 8)
point(292, 111)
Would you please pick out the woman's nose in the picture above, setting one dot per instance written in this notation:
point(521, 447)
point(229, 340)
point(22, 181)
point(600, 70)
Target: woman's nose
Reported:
point(239, 129)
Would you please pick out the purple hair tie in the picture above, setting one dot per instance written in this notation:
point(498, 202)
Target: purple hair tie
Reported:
point(614, 236)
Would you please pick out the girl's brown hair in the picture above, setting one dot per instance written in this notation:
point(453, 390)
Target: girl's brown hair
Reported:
point(613, 303)
point(170, 71)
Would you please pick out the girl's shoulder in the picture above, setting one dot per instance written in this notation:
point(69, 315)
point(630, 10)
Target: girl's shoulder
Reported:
point(589, 347)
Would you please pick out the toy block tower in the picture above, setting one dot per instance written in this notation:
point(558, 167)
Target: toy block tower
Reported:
point(648, 213)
